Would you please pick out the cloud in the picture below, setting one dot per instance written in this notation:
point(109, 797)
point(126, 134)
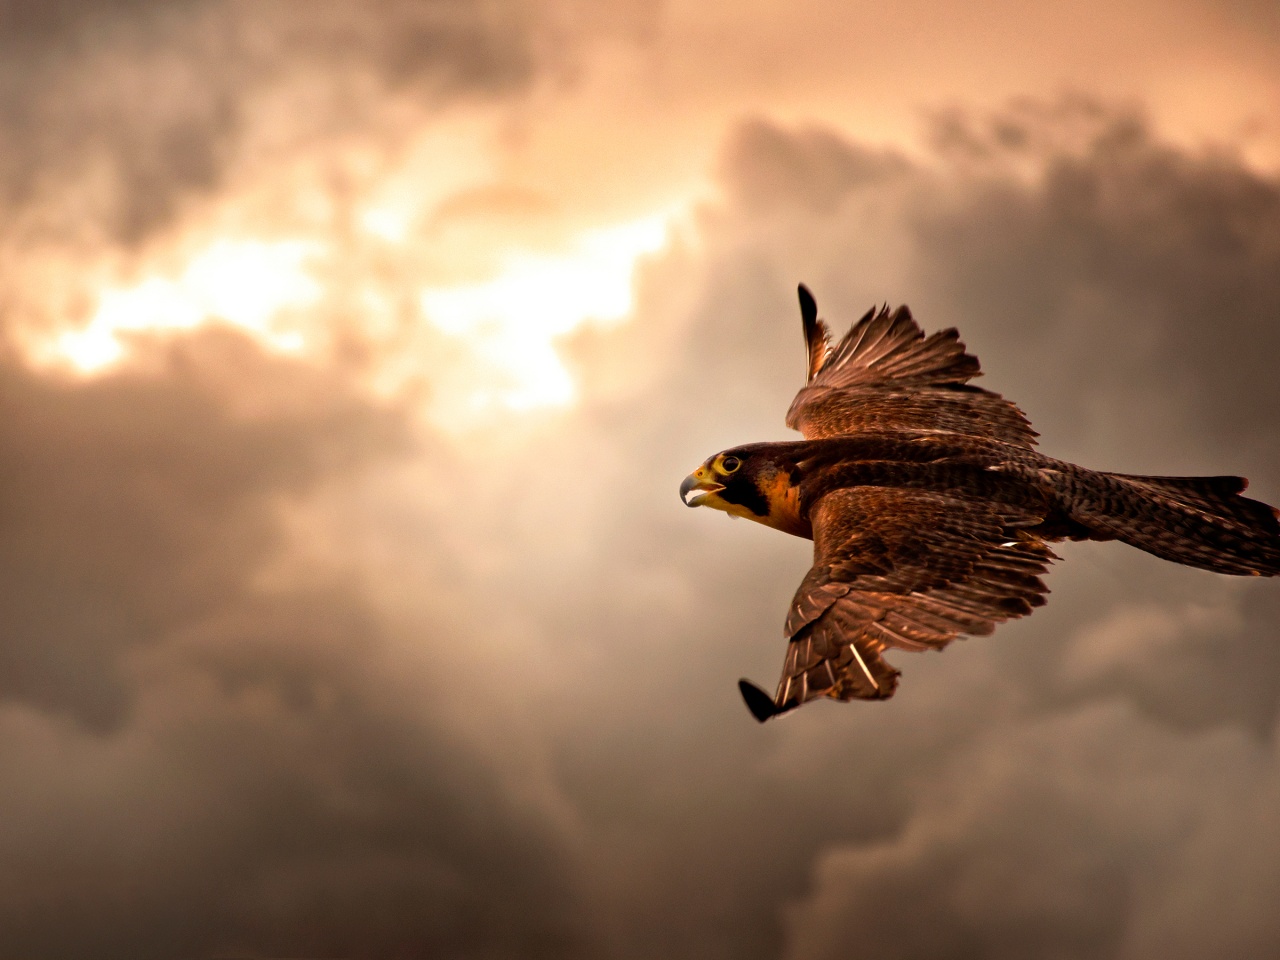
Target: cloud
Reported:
point(115, 117)
point(1149, 264)
point(767, 167)
point(143, 501)
point(209, 745)
point(1095, 833)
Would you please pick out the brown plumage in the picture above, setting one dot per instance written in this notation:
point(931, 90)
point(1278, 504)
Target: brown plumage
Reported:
point(931, 510)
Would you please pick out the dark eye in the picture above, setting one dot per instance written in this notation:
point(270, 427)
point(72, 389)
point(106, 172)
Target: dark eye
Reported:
point(730, 464)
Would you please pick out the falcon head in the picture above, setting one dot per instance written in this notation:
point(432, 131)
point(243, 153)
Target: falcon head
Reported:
point(750, 481)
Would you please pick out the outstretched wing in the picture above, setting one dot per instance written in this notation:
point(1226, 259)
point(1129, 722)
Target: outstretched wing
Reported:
point(911, 569)
point(886, 375)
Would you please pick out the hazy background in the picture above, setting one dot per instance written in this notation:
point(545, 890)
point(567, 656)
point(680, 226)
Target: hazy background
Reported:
point(351, 355)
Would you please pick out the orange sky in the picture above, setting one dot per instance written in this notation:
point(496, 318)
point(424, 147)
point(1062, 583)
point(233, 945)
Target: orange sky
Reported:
point(622, 119)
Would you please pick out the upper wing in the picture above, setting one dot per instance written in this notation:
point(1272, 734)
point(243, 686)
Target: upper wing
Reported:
point(912, 569)
point(887, 375)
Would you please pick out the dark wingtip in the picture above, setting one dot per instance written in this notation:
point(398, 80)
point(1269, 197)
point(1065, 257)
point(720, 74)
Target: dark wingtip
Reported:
point(758, 702)
point(808, 305)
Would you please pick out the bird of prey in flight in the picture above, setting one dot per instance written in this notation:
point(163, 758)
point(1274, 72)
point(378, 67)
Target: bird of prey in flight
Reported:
point(931, 511)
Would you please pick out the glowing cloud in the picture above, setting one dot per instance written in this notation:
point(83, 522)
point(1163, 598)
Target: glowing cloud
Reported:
point(244, 283)
point(509, 324)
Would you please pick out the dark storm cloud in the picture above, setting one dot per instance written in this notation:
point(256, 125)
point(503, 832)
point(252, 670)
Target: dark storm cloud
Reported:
point(141, 502)
point(247, 825)
point(767, 167)
point(1091, 835)
point(1149, 266)
point(113, 114)
point(200, 757)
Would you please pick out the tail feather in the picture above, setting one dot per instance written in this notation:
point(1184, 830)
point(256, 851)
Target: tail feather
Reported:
point(1199, 521)
point(1214, 495)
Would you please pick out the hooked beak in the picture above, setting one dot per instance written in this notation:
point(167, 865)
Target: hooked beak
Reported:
point(700, 480)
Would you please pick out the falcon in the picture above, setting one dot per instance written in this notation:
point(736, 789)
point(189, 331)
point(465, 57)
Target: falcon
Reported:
point(931, 511)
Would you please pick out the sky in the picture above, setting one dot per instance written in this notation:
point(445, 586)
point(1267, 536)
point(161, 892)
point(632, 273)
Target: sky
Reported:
point(351, 355)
